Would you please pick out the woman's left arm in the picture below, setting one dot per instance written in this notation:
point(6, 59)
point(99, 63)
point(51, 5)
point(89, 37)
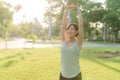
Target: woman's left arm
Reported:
point(80, 37)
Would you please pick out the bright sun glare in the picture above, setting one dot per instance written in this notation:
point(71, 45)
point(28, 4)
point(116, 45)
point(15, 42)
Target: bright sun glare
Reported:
point(30, 9)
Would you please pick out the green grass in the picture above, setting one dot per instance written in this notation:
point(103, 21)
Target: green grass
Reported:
point(99, 42)
point(97, 67)
point(44, 64)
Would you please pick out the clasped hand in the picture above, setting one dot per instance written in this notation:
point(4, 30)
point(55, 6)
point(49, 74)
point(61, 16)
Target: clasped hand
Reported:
point(71, 7)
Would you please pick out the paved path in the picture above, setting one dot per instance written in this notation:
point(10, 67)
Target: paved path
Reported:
point(21, 44)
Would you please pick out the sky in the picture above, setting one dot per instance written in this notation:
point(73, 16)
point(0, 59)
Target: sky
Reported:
point(99, 1)
point(31, 9)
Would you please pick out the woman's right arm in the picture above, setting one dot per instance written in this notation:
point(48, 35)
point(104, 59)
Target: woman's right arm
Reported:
point(64, 24)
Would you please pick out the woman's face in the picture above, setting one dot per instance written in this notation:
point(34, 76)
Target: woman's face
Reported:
point(71, 32)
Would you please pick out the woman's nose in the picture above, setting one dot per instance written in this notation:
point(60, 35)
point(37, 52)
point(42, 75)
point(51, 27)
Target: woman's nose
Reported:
point(70, 30)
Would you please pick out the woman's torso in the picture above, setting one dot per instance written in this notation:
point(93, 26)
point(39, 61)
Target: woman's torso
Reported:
point(70, 60)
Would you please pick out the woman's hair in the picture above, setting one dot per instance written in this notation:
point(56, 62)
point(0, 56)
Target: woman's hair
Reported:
point(75, 27)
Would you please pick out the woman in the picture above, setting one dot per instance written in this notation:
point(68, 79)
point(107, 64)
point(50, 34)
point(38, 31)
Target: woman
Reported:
point(72, 38)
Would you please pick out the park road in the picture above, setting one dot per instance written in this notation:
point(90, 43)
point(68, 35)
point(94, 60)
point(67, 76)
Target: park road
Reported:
point(21, 43)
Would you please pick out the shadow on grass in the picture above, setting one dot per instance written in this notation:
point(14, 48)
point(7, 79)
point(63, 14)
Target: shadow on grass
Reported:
point(113, 60)
point(11, 57)
point(8, 63)
point(108, 54)
point(10, 60)
point(100, 63)
point(22, 57)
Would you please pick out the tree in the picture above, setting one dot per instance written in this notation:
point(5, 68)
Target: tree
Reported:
point(92, 13)
point(17, 8)
point(26, 28)
point(5, 20)
point(56, 13)
point(112, 18)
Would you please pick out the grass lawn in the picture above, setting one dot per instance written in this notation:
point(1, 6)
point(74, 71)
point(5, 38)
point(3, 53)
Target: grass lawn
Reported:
point(100, 42)
point(44, 64)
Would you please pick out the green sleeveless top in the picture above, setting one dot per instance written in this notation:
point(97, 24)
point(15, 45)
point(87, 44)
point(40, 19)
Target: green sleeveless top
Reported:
point(70, 60)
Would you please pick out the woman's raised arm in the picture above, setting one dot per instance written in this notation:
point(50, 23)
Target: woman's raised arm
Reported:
point(64, 24)
point(80, 37)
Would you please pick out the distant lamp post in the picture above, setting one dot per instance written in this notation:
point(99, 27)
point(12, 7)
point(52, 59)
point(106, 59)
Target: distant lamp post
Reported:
point(3, 28)
point(4, 32)
point(104, 33)
point(50, 22)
